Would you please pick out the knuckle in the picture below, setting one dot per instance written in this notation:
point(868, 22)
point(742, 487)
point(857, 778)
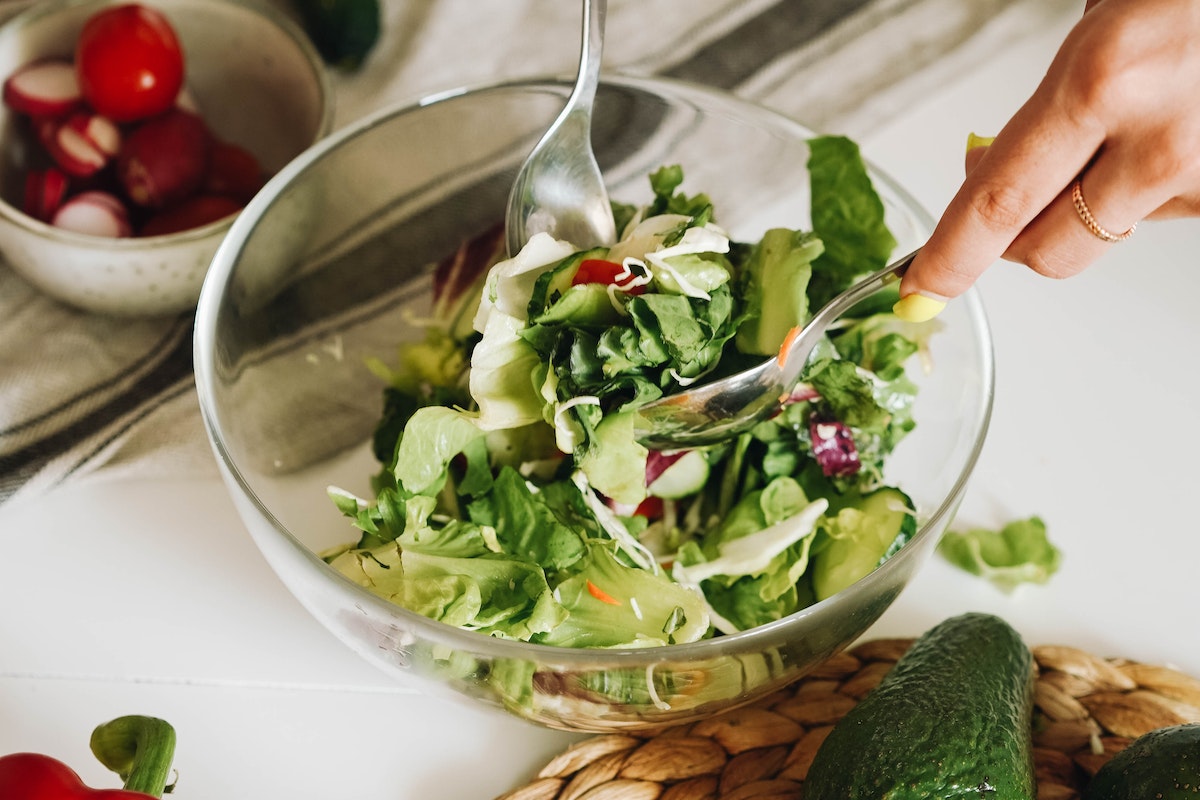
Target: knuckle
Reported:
point(1001, 207)
point(1103, 74)
point(1050, 258)
point(1173, 158)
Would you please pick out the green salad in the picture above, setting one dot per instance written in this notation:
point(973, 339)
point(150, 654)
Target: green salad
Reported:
point(514, 497)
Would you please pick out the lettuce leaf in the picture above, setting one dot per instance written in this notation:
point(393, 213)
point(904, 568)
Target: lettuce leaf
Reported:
point(847, 216)
point(501, 597)
point(775, 287)
point(434, 436)
point(525, 525)
point(1020, 552)
point(610, 604)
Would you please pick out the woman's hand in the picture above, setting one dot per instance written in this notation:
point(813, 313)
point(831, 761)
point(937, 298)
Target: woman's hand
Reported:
point(1119, 110)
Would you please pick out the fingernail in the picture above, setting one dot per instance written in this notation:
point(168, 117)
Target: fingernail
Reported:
point(918, 307)
point(974, 140)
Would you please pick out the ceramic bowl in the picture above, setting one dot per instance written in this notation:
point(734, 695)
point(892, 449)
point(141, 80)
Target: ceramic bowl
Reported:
point(286, 323)
point(257, 81)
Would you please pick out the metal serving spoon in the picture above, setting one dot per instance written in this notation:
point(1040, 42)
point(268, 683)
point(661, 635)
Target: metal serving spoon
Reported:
point(713, 412)
point(559, 189)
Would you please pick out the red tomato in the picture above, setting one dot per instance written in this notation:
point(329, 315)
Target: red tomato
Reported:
point(129, 62)
point(651, 508)
point(597, 270)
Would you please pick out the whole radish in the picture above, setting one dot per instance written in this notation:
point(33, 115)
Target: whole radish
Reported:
point(164, 159)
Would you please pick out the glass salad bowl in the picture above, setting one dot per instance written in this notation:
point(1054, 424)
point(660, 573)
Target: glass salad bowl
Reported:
point(330, 267)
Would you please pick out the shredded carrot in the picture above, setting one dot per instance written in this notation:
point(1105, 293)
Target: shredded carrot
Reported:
point(601, 595)
point(787, 344)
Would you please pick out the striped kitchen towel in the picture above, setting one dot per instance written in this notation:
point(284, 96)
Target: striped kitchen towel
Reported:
point(83, 395)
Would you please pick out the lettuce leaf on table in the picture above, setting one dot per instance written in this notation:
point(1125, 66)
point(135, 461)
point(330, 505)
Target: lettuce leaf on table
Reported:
point(1020, 552)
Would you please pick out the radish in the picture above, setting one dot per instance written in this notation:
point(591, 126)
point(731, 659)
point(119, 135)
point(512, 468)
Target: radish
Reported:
point(44, 192)
point(70, 149)
point(233, 171)
point(94, 213)
point(191, 213)
point(164, 159)
point(100, 132)
point(43, 89)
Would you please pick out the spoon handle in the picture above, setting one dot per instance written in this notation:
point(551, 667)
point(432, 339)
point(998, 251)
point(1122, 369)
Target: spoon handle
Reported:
point(584, 92)
point(792, 361)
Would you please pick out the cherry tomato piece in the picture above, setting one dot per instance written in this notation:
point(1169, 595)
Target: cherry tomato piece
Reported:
point(651, 508)
point(597, 270)
point(129, 62)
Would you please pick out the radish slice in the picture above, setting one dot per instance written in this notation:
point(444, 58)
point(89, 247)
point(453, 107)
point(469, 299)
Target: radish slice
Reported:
point(70, 149)
point(95, 214)
point(43, 89)
point(44, 192)
point(101, 132)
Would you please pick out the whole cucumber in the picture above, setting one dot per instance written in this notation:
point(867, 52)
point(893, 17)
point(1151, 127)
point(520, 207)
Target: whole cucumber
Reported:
point(1163, 764)
point(952, 719)
point(343, 31)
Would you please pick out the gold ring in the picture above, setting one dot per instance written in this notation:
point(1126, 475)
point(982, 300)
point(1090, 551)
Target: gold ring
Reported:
point(1089, 220)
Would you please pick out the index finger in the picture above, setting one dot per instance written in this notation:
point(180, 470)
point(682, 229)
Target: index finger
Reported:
point(1038, 153)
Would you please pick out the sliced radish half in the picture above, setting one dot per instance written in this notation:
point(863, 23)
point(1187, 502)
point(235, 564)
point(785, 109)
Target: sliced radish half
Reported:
point(99, 131)
point(70, 149)
point(94, 213)
point(43, 89)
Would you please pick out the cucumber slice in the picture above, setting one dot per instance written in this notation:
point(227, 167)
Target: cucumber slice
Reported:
point(863, 535)
point(585, 304)
point(554, 282)
point(686, 476)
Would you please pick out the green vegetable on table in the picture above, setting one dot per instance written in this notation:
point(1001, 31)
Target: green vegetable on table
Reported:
point(951, 720)
point(1163, 764)
point(1019, 552)
point(343, 31)
point(139, 749)
point(514, 498)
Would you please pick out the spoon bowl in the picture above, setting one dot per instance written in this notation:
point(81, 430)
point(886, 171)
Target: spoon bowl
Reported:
point(716, 411)
point(559, 189)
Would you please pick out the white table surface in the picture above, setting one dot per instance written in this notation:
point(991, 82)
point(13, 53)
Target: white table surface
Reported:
point(119, 597)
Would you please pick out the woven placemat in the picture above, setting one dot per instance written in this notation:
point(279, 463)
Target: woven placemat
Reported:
point(1086, 709)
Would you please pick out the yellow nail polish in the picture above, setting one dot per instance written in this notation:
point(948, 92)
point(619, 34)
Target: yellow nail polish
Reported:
point(917, 307)
point(974, 141)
